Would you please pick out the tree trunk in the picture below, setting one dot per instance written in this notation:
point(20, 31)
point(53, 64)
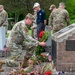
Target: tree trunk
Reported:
point(16, 17)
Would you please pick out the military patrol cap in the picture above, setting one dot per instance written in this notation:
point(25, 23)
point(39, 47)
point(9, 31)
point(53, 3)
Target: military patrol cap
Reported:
point(29, 15)
point(52, 6)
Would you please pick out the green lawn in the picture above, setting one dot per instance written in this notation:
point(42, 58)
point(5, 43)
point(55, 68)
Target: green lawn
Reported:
point(30, 33)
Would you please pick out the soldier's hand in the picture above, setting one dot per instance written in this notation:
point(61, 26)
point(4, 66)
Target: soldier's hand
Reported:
point(32, 27)
point(42, 43)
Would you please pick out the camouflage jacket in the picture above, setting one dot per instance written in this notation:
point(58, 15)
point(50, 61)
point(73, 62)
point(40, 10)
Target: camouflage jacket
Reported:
point(3, 18)
point(59, 18)
point(19, 34)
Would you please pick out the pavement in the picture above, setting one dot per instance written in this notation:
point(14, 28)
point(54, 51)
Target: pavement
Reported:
point(8, 69)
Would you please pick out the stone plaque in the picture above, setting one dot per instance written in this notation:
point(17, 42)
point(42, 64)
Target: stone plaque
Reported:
point(70, 45)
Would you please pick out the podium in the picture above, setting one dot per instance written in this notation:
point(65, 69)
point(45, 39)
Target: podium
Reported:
point(2, 37)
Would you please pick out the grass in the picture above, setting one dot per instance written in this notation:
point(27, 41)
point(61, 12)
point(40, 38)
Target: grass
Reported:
point(29, 31)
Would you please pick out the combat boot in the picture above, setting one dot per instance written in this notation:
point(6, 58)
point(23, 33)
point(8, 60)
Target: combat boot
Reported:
point(1, 70)
point(24, 63)
point(1, 63)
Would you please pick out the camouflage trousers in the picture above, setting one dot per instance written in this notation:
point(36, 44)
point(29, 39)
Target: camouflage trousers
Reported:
point(18, 56)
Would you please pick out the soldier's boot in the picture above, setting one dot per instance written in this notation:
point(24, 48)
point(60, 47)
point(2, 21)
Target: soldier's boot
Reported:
point(30, 63)
point(1, 63)
point(26, 58)
point(24, 63)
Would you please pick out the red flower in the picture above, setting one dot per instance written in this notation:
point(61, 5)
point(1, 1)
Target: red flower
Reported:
point(48, 73)
point(43, 55)
point(41, 34)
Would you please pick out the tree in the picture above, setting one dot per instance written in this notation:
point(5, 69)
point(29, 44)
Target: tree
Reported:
point(19, 7)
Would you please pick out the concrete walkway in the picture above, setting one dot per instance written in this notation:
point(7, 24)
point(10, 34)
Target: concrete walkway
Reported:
point(7, 69)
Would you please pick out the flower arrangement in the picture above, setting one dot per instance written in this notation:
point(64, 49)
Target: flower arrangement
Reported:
point(45, 68)
point(43, 36)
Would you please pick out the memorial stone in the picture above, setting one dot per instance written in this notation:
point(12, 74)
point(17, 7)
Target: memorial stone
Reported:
point(63, 47)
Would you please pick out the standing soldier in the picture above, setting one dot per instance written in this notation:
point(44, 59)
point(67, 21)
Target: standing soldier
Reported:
point(52, 8)
point(59, 18)
point(18, 36)
point(3, 17)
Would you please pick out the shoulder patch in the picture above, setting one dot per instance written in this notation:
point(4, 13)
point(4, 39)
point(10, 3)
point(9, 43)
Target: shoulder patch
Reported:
point(25, 29)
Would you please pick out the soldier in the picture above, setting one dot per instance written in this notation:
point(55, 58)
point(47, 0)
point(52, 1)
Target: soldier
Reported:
point(18, 36)
point(59, 18)
point(3, 17)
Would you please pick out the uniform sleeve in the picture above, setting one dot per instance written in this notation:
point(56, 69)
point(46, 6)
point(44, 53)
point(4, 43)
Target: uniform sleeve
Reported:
point(67, 18)
point(50, 19)
point(3, 17)
point(28, 39)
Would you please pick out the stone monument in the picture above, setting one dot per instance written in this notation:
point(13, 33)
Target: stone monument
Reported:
point(63, 47)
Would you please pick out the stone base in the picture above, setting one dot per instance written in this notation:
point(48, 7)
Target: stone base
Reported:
point(4, 54)
point(48, 49)
point(65, 67)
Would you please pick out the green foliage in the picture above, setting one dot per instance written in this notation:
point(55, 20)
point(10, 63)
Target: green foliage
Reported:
point(72, 21)
point(17, 9)
point(28, 70)
point(30, 32)
point(43, 59)
point(39, 50)
point(71, 8)
point(7, 35)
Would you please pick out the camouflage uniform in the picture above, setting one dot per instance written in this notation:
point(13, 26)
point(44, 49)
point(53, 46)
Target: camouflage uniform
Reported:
point(4, 19)
point(34, 31)
point(34, 27)
point(17, 38)
point(58, 19)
